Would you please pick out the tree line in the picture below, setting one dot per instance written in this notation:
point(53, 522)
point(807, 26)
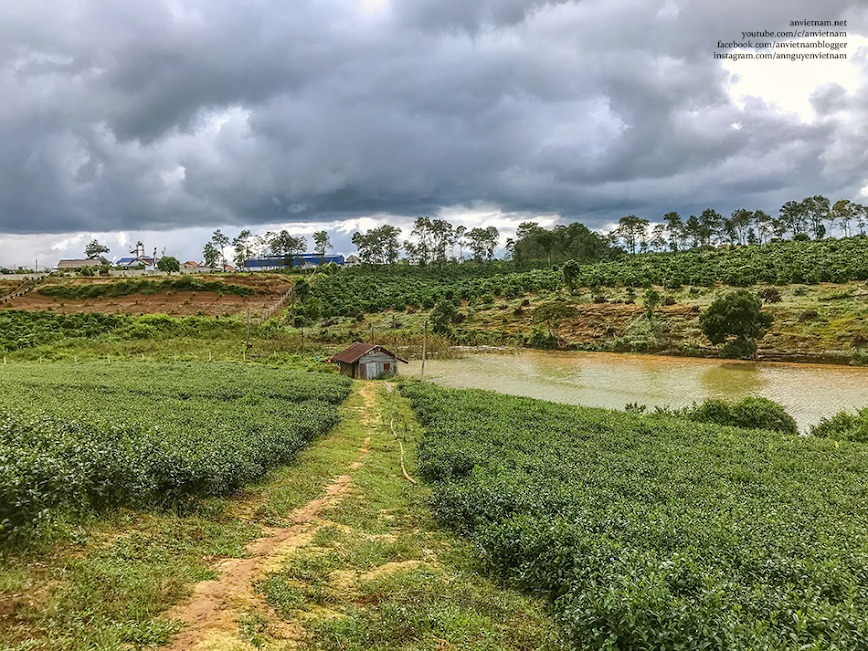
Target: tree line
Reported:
point(438, 242)
point(435, 243)
point(800, 219)
point(247, 246)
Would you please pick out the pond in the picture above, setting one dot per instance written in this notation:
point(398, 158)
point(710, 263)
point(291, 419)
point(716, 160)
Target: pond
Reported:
point(809, 392)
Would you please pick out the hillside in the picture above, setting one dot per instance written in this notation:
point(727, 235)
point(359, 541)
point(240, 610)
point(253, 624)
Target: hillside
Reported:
point(194, 294)
point(817, 295)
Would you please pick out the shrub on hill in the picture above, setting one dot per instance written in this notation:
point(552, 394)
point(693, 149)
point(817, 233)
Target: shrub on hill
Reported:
point(844, 426)
point(751, 413)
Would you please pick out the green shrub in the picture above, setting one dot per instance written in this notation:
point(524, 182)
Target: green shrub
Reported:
point(752, 412)
point(843, 426)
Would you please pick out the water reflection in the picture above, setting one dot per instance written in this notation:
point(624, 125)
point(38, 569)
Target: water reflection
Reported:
point(808, 391)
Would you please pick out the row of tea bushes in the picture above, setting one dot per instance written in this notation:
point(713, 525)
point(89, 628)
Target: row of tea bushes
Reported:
point(656, 532)
point(88, 436)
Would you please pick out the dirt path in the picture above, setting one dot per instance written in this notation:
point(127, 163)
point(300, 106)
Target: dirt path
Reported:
point(213, 612)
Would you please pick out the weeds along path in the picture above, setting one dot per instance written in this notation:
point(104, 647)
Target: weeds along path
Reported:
point(212, 614)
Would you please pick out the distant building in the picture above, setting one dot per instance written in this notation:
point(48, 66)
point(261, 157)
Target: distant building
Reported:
point(76, 265)
point(132, 263)
point(352, 261)
point(367, 361)
point(303, 261)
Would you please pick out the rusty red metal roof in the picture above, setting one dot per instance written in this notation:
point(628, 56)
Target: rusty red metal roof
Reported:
point(358, 350)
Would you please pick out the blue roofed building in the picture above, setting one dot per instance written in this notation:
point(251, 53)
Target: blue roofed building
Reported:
point(303, 260)
point(131, 263)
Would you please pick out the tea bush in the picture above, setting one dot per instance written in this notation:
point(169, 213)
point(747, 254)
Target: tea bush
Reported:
point(844, 426)
point(141, 286)
point(20, 329)
point(652, 532)
point(752, 412)
point(87, 436)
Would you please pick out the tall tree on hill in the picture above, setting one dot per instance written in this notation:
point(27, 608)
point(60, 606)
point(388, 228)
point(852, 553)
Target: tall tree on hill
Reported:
point(793, 215)
point(378, 245)
point(693, 230)
point(658, 237)
point(220, 242)
point(711, 225)
point(842, 211)
point(286, 245)
point(483, 241)
point(441, 239)
point(460, 239)
point(423, 248)
point(675, 228)
point(387, 236)
point(243, 245)
point(817, 210)
point(321, 244)
point(860, 214)
point(741, 221)
point(96, 250)
point(632, 230)
point(764, 224)
point(210, 255)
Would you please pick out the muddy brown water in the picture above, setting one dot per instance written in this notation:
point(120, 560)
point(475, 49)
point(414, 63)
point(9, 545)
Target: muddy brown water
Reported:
point(809, 392)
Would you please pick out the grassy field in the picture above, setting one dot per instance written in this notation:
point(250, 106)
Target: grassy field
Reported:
point(654, 532)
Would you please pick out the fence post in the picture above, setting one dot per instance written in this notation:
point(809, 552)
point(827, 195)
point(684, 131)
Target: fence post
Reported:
point(424, 345)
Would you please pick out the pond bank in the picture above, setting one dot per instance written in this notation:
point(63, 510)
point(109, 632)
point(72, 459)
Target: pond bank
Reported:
point(809, 392)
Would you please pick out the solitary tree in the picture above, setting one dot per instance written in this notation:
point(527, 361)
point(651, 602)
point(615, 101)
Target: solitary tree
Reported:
point(737, 321)
point(321, 244)
point(96, 250)
point(169, 264)
point(210, 254)
point(572, 272)
point(652, 300)
point(553, 314)
point(220, 242)
point(243, 245)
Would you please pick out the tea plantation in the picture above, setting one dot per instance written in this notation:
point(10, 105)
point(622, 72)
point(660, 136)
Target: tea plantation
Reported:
point(655, 532)
point(87, 436)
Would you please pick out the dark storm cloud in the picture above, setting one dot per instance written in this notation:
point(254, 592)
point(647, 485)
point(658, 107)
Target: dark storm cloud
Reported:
point(162, 115)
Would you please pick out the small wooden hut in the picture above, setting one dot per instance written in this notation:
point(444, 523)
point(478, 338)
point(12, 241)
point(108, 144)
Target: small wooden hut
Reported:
point(367, 361)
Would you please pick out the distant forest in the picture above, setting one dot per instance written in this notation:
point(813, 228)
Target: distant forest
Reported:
point(437, 242)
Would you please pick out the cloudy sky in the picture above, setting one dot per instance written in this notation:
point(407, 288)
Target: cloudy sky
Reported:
point(161, 120)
